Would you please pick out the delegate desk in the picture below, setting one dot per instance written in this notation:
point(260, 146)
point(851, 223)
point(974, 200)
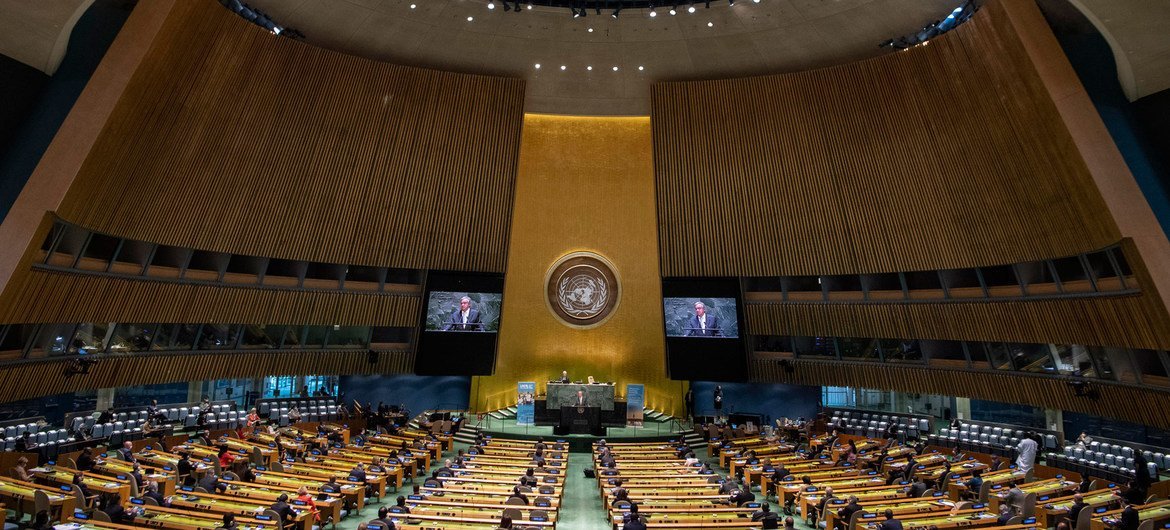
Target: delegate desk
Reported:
point(28, 497)
point(224, 504)
point(1156, 513)
point(1050, 510)
point(177, 519)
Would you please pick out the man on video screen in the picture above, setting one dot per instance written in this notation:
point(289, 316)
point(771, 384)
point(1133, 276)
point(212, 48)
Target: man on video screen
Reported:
point(702, 324)
point(465, 319)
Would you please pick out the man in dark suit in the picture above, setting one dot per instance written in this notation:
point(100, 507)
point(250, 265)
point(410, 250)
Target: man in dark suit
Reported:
point(581, 401)
point(766, 517)
point(127, 452)
point(465, 319)
point(211, 483)
point(702, 324)
point(565, 376)
point(1074, 511)
point(281, 507)
point(846, 513)
point(890, 523)
point(1129, 516)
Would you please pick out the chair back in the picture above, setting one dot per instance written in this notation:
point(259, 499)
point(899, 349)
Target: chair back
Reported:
point(101, 516)
point(41, 501)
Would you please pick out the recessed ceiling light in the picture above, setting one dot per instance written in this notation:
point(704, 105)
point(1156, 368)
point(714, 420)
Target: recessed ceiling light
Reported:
point(412, 6)
point(615, 68)
point(469, 19)
point(538, 66)
point(562, 68)
point(491, 5)
point(653, 14)
point(673, 12)
point(590, 68)
point(590, 30)
point(640, 68)
point(710, 24)
point(691, 9)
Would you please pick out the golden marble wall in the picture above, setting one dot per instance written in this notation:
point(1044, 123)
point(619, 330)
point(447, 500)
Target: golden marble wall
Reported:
point(583, 184)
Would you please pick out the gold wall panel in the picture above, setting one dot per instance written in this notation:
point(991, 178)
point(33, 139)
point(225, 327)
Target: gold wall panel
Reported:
point(583, 184)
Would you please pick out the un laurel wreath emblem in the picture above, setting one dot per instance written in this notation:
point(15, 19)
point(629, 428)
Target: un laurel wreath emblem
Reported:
point(582, 289)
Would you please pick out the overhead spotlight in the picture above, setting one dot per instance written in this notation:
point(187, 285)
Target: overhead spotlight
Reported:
point(707, 4)
point(412, 6)
point(615, 68)
point(616, 11)
point(590, 68)
point(674, 9)
point(730, 2)
point(563, 68)
point(710, 24)
point(469, 19)
point(537, 65)
point(492, 5)
point(755, 1)
point(653, 13)
point(590, 30)
point(692, 8)
point(640, 68)
point(529, 6)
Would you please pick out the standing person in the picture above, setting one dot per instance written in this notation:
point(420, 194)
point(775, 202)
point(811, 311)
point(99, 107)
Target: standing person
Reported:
point(718, 401)
point(702, 324)
point(1141, 468)
point(1027, 453)
point(689, 400)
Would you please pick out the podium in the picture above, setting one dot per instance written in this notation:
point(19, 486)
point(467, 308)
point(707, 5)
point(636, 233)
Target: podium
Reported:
point(580, 420)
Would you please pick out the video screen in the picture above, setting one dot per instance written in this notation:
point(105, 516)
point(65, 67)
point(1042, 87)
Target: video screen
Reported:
point(460, 323)
point(701, 317)
point(463, 312)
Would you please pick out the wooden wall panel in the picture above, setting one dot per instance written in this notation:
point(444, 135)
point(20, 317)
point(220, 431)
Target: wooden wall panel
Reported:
point(45, 296)
point(1132, 321)
point(943, 156)
point(231, 139)
point(42, 378)
point(1146, 406)
point(1114, 321)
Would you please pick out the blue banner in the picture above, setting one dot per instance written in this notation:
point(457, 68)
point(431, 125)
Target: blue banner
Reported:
point(525, 403)
point(635, 402)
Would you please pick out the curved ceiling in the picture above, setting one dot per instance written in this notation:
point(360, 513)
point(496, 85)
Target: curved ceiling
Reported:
point(748, 38)
point(1136, 31)
point(36, 33)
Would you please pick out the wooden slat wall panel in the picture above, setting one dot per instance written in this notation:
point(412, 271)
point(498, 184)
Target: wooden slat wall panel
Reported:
point(1114, 321)
point(944, 156)
point(1117, 401)
point(1132, 321)
point(231, 139)
point(36, 379)
point(45, 296)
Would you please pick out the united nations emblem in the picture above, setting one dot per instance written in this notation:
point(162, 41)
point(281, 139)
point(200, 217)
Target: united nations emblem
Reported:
point(582, 289)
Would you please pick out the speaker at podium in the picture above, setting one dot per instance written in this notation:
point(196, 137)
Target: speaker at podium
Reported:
point(580, 420)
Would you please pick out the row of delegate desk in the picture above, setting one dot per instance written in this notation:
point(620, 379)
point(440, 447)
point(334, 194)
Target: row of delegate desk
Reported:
point(477, 493)
point(669, 494)
point(871, 480)
point(193, 509)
